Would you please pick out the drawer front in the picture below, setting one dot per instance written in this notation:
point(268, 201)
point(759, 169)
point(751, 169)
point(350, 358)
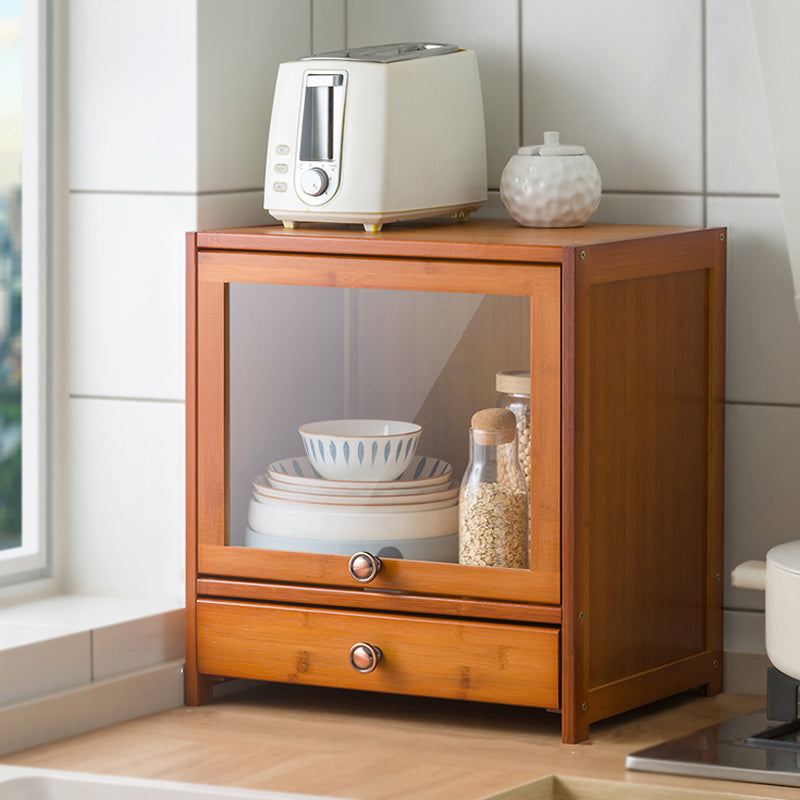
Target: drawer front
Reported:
point(516, 664)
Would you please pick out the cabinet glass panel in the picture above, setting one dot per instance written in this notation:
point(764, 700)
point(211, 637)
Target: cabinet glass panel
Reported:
point(301, 354)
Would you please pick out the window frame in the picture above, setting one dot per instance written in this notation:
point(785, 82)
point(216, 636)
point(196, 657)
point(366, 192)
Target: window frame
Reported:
point(31, 559)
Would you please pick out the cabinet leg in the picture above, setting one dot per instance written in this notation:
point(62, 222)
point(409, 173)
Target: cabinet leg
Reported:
point(197, 689)
point(574, 729)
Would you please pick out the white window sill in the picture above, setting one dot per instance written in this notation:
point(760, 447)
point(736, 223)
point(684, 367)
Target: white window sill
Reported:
point(63, 660)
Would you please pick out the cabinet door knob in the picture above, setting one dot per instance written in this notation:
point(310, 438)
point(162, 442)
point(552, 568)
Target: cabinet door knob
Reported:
point(365, 657)
point(364, 566)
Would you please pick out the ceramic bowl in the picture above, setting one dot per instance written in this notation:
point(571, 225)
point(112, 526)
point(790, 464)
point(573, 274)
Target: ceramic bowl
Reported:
point(306, 521)
point(360, 449)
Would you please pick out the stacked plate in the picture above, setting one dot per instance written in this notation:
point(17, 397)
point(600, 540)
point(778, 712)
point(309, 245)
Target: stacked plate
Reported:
point(414, 516)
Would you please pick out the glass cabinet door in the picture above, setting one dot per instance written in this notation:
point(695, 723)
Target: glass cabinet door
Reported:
point(274, 356)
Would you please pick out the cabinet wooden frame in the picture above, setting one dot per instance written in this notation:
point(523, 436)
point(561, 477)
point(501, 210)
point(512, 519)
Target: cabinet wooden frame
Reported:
point(615, 311)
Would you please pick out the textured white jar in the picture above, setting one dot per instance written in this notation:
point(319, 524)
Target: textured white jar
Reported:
point(550, 185)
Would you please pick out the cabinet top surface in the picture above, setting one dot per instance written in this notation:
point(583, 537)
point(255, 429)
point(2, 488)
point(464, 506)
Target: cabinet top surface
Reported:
point(477, 239)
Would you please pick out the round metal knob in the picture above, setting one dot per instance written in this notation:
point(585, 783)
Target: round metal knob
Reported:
point(314, 181)
point(364, 566)
point(365, 657)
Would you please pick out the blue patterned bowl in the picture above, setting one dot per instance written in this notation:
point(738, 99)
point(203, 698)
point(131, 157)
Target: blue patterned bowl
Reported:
point(360, 449)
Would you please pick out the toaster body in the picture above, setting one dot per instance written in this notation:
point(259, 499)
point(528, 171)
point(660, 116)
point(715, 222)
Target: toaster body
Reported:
point(377, 135)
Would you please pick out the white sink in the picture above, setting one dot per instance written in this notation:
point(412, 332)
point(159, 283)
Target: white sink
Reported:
point(22, 783)
point(553, 787)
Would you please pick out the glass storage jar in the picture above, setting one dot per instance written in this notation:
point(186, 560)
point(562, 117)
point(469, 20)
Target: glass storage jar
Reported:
point(493, 498)
point(514, 393)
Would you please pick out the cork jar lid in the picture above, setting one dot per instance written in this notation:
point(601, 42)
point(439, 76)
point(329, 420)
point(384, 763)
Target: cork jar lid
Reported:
point(513, 381)
point(494, 426)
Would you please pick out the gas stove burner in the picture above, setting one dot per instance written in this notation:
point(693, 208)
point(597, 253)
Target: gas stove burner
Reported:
point(748, 748)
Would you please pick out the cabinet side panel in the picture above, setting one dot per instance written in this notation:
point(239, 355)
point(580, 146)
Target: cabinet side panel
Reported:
point(647, 481)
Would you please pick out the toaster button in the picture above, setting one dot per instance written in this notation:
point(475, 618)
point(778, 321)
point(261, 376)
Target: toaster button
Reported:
point(279, 186)
point(282, 149)
point(282, 168)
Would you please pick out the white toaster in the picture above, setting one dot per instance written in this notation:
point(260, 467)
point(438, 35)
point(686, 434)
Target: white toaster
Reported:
point(375, 135)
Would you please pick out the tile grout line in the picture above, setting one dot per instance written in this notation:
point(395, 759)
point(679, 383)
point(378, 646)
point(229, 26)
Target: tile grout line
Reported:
point(757, 403)
point(166, 193)
point(127, 399)
point(704, 104)
point(521, 71)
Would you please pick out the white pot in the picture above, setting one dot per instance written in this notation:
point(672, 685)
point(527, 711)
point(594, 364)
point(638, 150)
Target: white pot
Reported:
point(779, 578)
point(550, 185)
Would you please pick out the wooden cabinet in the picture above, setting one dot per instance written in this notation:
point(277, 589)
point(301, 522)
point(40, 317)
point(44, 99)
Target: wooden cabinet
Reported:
point(622, 328)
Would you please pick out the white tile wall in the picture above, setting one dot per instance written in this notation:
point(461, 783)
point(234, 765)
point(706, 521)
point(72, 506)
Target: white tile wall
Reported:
point(650, 209)
point(763, 333)
point(133, 107)
point(625, 80)
point(231, 210)
point(127, 287)
point(328, 25)
point(126, 515)
point(44, 666)
point(137, 644)
point(740, 153)
point(240, 45)
point(65, 643)
point(461, 22)
point(624, 77)
point(762, 505)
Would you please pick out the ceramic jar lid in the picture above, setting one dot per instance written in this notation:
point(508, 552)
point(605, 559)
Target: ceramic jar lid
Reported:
point(551, 147)
point(786, 557)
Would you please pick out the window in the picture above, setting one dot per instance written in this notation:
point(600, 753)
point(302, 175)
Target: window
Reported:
point(23, 214)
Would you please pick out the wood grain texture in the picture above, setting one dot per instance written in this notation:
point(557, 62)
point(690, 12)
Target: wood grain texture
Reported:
point(574, 540)
point(421, 655)
point(197, 688)
point(212, 413)
point(414, 577)
point(623, 327)
point(377, 600)
point(647, 354)
point(716, 455)
point(372, 746)
point(647, 445)
point(491, 240)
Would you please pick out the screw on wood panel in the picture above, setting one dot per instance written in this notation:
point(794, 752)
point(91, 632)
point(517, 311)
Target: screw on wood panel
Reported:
point(722, 237)
point(580, 616)
point(583, 707)
point(718, 577)
point(716, 664)
point(583, 254)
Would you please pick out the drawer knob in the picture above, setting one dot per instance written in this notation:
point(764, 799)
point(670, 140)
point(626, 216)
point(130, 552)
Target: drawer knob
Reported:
point(365, 657)
point(364, 566)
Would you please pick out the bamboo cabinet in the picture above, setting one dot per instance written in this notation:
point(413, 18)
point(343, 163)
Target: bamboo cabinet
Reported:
point(622, 328)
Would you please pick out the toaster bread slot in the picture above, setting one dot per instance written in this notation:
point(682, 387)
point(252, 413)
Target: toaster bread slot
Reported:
point(322, 104)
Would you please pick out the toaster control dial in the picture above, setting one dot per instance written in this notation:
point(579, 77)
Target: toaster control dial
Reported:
point(314, 181)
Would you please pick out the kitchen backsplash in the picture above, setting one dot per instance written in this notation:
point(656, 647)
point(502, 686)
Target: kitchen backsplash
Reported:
point(665, 94)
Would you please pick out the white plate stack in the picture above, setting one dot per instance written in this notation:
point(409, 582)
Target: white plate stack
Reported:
point(414, 516)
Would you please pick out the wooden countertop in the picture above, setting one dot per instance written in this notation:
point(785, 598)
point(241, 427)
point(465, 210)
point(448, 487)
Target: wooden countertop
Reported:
point(378, 747)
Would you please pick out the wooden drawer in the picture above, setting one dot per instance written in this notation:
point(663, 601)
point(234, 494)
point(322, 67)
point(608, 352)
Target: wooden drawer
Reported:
point(517, 664)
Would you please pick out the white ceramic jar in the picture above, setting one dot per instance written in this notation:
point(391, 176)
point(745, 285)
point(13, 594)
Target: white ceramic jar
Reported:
point(779, 577)
point(550, 185)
